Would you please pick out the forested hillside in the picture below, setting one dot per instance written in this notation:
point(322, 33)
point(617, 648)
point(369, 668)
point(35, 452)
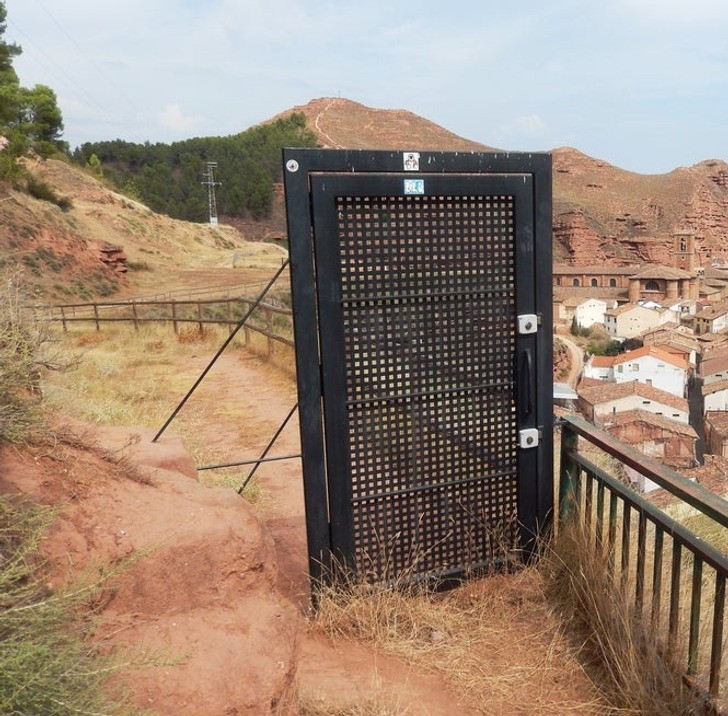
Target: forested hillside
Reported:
point(167, 177)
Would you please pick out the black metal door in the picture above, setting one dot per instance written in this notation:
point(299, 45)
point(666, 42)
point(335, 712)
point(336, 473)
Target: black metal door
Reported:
point(429, 367)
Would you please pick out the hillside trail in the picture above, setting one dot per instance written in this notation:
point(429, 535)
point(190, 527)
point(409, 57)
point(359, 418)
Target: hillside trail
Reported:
point(342, 672)
point(337, 673)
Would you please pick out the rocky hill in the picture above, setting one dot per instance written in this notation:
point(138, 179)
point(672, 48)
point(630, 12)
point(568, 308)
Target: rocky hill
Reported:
point(107, 244)
point(601, 212)
point(104, 244)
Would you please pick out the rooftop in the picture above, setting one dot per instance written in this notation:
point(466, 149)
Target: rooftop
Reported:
point(606, 392)
point(645, 417)
point(663, 272)
point(718, 420)
point(715, 363)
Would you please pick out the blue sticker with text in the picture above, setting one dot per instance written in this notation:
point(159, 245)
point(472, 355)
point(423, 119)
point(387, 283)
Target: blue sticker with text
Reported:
point(414, 186)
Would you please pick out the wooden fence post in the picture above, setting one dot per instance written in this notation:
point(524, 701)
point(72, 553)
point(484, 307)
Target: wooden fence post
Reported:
point(174, 316)
point(96, 317)
point(269, 328)
point(63, 320)
point(134, 311)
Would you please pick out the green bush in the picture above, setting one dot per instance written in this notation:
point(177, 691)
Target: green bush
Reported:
point(46, 666)
point(41, 190)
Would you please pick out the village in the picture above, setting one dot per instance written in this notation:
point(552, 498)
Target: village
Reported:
point(666, 392)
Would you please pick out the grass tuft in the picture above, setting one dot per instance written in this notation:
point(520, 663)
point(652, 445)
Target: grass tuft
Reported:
point(46, 665)
point(466, 635)
point(632, 671)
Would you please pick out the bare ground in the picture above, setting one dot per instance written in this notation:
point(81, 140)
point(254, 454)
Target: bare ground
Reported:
point(223, 596)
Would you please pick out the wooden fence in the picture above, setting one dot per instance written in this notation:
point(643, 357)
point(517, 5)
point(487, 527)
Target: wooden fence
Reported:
point(269, 319)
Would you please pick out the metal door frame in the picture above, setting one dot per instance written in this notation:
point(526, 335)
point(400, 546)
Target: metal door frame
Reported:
point(535, 495)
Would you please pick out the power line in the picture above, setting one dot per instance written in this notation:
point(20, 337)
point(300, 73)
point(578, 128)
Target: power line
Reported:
point(88, 58)
point(40, 51)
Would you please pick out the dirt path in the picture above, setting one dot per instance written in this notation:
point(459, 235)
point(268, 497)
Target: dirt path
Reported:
point(344, 672)
point(337, 673)
point(576, 361)
point(226, 585)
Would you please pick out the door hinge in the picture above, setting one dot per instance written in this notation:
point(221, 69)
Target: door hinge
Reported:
point(528, 323)
point(528, 438)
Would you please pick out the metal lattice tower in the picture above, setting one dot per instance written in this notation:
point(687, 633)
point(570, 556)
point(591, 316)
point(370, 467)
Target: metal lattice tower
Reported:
point(210, 183)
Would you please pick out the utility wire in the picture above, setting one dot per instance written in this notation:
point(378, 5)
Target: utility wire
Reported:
point(88, 58)
point(40, 51)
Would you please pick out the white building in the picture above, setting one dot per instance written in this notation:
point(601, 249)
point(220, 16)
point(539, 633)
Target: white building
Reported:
point(600, 403)
point(715, 396)
point(590, 311)
point(649, 364)
point(632, 320)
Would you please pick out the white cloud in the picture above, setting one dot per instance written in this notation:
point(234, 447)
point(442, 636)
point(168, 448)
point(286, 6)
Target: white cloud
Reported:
point(171, 117)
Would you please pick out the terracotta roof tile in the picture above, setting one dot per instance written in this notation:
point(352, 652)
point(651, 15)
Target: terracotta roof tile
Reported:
point(718, 420)
point(650, 350)
point(715, 387)
point(642, 416)
point(664, 272)
point(606, 392)
point(715, 363)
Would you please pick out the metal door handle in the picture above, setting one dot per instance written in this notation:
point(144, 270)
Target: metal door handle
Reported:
point(524, 382)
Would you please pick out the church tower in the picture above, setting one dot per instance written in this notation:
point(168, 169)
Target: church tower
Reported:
point(684, 254)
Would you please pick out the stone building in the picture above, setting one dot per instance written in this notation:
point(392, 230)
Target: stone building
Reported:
point(716, 432)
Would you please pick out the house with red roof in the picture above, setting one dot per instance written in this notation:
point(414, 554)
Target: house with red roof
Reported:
point(650, 365)
point(601, 402)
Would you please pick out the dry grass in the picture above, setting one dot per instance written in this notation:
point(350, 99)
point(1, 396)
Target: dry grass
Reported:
point(494, 640)
point(380, 705)
point(627, 662)
point(48, 664)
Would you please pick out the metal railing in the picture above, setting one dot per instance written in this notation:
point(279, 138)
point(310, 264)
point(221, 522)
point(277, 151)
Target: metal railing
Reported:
point(671, 579)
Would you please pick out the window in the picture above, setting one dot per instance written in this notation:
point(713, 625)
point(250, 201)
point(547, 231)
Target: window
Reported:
point(660, 367)
point(575, 282)
point(594, 282)
point(620, 369)
point(558, 280)
point(635, 367)
point(613, 283)
point(652, 285)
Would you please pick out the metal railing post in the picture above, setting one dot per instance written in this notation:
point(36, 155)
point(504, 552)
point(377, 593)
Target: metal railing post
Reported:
point(568, 473)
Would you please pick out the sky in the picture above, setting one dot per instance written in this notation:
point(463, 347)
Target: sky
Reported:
point(641, 84)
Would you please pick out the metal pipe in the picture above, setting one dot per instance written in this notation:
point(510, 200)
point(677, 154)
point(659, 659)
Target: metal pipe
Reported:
point(227, 342)
point(268, 447)
point(247, 462)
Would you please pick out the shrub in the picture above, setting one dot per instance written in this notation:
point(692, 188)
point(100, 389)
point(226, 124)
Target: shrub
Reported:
point(24, 353)
point(45, 665)
point(42, 191)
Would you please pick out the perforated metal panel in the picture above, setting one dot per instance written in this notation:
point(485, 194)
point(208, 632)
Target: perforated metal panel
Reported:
point(416, 312)
point(428, 293)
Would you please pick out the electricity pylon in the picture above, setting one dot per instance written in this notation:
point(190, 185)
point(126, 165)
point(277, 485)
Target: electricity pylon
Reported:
point(210, 183)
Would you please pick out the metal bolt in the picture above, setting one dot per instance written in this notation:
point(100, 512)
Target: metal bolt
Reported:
point(292, 165)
